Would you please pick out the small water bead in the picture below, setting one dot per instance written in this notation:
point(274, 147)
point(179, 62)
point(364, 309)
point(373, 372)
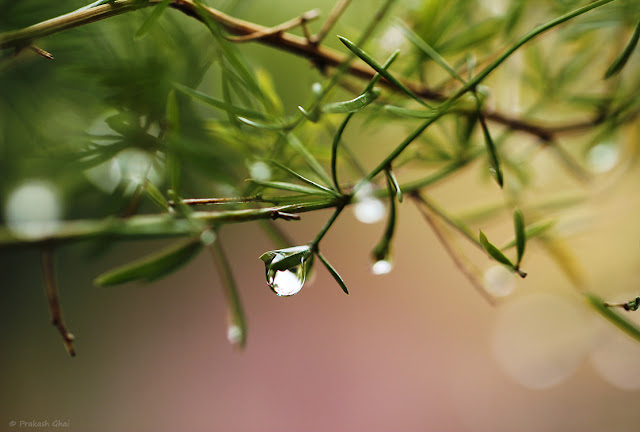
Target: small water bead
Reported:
point(33, 209)
point(603, 157)
point(368, 209)
point(499, 281)
point(260, 171)
point(234, 334)
point(381, 267)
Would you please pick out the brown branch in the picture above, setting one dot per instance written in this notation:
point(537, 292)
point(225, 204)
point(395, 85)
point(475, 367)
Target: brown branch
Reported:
point(51, 288)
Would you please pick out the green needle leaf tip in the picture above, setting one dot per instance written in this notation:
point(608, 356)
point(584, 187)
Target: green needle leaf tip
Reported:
point(494, 252)
point(521, 236)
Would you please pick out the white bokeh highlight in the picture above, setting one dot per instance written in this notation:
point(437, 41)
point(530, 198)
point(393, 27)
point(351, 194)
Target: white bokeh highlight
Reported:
point(33, 209)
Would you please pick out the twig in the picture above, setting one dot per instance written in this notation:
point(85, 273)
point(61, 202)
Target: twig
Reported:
point(333, 17)
point(298, 21)
point(460, 261)
point(51, 288)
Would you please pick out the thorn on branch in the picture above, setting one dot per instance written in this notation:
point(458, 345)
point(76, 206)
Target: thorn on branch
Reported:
point(51, 289)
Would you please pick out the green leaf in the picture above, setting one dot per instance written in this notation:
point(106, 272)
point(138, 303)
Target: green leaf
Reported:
point(289, 187)
point(521, 236)
point(513, 16)
point(239, 111)
point(313, 116)
point(616, 319)
point(381, 70)
point(173, 112)
point(405, 112)
point(156, 196)
point(311, 161)
point(494, 252)
point(473, 36)
point(492, 152)
point(154, 266)
point(352, 105)
point(393, 182)
point(533, 230)
point(429, 51)
point(267, 126)
point(304, 179)
point(237, 324)
point(152, 18)
point(333, 272)
point(624, 56)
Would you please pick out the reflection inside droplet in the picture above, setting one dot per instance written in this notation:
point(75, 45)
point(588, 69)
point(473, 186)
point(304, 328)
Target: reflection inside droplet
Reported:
point(603, 157)
point(381, 267)
point(540, 340)
point(368, 209)
point(33, 209)
point(499, 281)
point(286, 283)
point(234, 334)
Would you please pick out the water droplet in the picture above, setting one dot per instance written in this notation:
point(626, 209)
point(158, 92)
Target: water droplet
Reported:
point(381, 267)
point(208, 237)
point(287, 282)
point(540, 340)
point(234, 334)
point(499, 281)
point(368, 209)
point(603, 157)
point(316, 88)
point(33, 209)
point(260, 171)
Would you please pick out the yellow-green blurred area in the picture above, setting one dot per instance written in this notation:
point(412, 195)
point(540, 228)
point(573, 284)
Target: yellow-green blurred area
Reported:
point(412, 350)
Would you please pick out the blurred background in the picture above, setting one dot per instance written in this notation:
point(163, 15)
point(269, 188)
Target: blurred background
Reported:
point(415, 349)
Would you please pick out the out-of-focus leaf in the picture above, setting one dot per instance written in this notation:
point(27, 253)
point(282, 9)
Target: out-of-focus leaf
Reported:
point(156, 13)
point(429, 51)
point(289, 187)
point(405, 112)
point(311, 161)
point(352, 105)
point(472, 36)
point(624, 56)
point(513, 16)
point(154, 266)
point(239, 111)
point(531, 231)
